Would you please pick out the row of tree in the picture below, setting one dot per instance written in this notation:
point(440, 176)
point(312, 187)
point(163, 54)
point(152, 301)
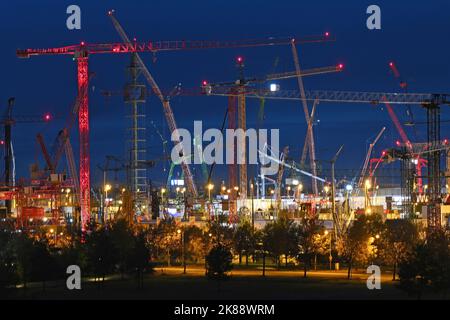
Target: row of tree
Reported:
point(121, 248)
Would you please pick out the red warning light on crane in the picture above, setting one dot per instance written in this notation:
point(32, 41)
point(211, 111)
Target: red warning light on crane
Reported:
point(445, 141)
point(2, 142)
point(340, 66)
point(327, 34)
point(47, 117)
point(239, 59)
point(391, 64)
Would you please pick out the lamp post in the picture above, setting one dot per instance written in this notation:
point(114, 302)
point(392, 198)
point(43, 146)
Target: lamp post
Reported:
point(271, 198)
point(210, 187)
point(163, 190)
point(330, 257)
point(206, 262)
point(183, 249)
point(253, 207)
point(183, 192)
point(107, 188)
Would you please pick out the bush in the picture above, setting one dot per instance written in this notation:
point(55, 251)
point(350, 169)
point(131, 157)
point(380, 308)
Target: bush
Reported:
point(219, 262)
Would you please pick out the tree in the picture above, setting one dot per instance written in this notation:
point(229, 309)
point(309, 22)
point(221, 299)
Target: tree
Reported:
point(356, 246)
point(101, 252)
point(23, 248)
point(243, 240)
point(123, 240)
point(139, 257)
point(220, 233)
point(219, 262)
point(166, 238)
point(309, 235)
point(8, 265)
point(427, 266)
point(397, 242)
point(195, 246)
point(44, 265)
point(280, 238)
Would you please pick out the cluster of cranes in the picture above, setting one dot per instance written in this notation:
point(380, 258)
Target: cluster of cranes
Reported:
point(237, 93)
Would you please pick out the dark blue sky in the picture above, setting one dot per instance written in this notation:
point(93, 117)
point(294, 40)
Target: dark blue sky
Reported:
point(415, 34)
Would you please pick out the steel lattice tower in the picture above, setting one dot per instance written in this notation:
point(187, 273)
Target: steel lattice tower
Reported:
point(135, 93)
point(434, 159)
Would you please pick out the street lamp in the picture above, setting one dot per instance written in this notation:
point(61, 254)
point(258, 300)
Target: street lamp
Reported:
point(107, 188)
point(183, 249)
point(183, 192)
point(210, 187)
point(272, 192)
point(253, 207)
point(330, 257)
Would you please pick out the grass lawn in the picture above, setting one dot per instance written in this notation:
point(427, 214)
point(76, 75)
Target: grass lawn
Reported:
point(175, 286)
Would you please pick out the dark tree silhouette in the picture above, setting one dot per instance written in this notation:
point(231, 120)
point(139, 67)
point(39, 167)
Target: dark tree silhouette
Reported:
point(219, 262)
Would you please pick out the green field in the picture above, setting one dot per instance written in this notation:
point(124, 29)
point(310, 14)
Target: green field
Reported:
point(171, 284)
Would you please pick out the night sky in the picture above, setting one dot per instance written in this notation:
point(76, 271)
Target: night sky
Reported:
point(415, 34)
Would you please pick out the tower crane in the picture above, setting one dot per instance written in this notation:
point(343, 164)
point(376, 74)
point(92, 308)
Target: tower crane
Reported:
point(81, 52)
point(240, 87)
point(8, 121)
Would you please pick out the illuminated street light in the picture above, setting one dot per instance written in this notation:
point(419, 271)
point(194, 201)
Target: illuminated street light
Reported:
point(210, 187)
